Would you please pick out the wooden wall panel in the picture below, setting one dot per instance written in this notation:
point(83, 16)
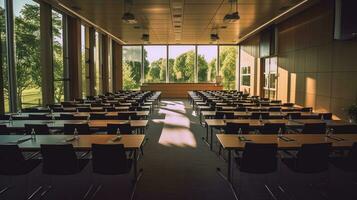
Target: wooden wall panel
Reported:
point(320, 71)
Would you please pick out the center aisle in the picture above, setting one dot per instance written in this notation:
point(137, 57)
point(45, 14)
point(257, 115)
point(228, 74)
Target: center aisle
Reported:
point(177, 164)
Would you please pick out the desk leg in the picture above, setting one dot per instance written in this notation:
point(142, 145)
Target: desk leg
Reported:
point(211, 144)
point(229, 168)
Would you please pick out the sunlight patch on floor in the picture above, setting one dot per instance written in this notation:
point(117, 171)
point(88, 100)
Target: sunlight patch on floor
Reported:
point(176, 130)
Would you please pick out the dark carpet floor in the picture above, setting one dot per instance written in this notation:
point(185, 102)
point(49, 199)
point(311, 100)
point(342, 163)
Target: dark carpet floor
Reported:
point(178, 165)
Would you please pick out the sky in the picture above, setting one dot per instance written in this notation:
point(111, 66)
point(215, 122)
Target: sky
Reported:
point(156, 52)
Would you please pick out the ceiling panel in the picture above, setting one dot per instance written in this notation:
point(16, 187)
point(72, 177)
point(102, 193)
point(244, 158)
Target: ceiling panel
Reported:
point(200, 18)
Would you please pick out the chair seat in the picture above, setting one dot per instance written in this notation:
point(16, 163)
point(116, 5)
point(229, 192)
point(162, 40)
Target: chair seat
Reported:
point(292, 165)
point(22, 169)
point(344, 163)
point(81, 164)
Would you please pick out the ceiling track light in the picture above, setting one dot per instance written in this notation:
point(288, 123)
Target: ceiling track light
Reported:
point(128, 17)
point(232, 17)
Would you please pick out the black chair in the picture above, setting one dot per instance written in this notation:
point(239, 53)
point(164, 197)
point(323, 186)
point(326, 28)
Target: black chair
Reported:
point(240, 109)
point(66, 116)
point(306, 109)
point(219, 115)
point(345, 129)
point(233, 128)
point(273, 128)
point(14, 163)
point(288, 104)
point(40, 129)
point(84, 109)
point(83, 129)
point(126, 115)
point(97, 116)
point(4, 130)
point(310, 158)
point(259, 158)
point(39, 117)
point(111, 159)
point(258, 115)
point(325, 116)
point(314, 128)
point(124, 128)
point(293, 115)
point(4, 117)
point(274, 109)
point(61, 159)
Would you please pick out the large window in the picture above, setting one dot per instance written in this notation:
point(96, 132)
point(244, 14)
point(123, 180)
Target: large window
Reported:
point(228, 65)
point(98, 63)
point(58, 62)
point(3, 57)
point(132, 56)
point(155, 62)
point(85, 60)
point(247, 63)
point(181, 63)
point(27, 47)
point(207, 63)
point(110, 65)
point(270, 78)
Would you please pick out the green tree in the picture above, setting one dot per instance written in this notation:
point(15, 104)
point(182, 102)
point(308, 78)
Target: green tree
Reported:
point(202, 69)
point(57, 57)
point(27, 42)
point(228, 66)
point(183, 68)
point(212, 68)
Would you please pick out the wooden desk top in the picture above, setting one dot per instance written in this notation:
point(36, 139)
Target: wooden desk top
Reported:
point(233, 142)
point(20, 124)
point(83, 114)
point(247, 114)
point(83, 143)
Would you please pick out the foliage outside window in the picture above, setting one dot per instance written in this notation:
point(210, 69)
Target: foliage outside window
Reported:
point(27, 53)
point(207, 63)
point(58, 64)
point(3, 56)
point(228, 65)
point(98, 63)
point(181, 63)
point(155, 62)
point(132, 56)
point(270, 71)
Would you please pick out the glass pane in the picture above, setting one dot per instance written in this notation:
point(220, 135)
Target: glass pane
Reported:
point(266, 65)
point(4, 68)
point(155, 61)
point(57, 32)
point(266, 80)
point(181, 63)
point(27, 45)
point(272, 81)
point(246, 80)
point(228, 65)
point(131, 67)
point(207, 63)
point(273, 64)
point(98, 63)
point(246, 63)
point(110, 65)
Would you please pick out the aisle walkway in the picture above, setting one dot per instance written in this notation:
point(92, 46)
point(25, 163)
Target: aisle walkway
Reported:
point(177, 164)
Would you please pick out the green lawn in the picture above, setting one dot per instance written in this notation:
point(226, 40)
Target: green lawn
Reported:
point(30, 97)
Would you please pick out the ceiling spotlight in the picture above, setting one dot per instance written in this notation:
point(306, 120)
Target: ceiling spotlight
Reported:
point(232, 16)
point(145, 37)
point(214, 37)
point(128, 17)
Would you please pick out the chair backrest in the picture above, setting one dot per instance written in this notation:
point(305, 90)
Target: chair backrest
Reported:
point(259, 158)
point(293, 115)
point(325, 116)
point(97, 116)
point(314, 128)
point(273, 128)
point(84, 109)
point(256, 115)
point(4, 130)
point(219, 115)
point(38, 117)
point(240, 109)
point(11, 158)
point(125, 116)
point(59, 159)
point(274, 109)
point(109, 159)
point(313, 158)
point(4, 117)
point(288, 104)
point(124, 128)
point(81, 128)
point(229, 115)
point(40, 129)
point(306, 109)
point(66, 117)
point(233, 128)
point(345, 129)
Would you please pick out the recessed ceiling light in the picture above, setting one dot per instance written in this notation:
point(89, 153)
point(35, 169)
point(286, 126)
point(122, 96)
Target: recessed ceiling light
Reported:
point(223, 27)
point(177, 16)
point(137, 27)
